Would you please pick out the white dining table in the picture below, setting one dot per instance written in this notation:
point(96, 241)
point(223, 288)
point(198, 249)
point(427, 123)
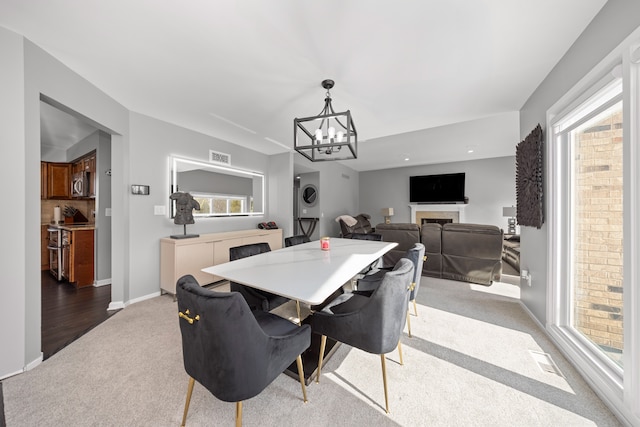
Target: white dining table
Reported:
point(304, 273)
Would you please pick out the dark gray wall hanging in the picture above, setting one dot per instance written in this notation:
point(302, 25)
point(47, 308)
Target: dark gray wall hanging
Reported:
point(529, 179)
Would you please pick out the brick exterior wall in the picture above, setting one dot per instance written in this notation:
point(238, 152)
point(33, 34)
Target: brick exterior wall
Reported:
point(599, 233)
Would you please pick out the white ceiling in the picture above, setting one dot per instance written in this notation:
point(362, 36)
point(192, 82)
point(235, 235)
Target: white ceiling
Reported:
point(241, 70)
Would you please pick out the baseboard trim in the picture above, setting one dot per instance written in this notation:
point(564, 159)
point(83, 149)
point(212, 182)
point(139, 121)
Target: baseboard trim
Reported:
point(116, 305)
point(34, 363)
point(103, 282)
point(11, 374)
point(145, 297)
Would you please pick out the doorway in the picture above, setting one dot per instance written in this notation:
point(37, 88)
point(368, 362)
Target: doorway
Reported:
point(68, 311)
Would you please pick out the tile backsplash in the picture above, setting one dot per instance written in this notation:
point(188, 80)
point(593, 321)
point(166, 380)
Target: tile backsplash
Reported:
point(86, 207)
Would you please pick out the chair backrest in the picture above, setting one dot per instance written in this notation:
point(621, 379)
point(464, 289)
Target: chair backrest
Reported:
point(361, 226)
point(384, 315)
point(367, 236)
point(224, 349)
point(251, 249)
point(296, 240)
point(416, 256)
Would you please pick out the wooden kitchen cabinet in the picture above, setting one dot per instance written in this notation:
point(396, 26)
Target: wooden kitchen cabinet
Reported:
point(87, 163)
point(189, 256)
point(58, 180)
point(81, 265)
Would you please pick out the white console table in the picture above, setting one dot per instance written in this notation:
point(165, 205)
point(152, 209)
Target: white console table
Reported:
point(189, 256)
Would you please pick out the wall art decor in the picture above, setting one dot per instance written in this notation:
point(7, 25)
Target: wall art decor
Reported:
point(529, 186)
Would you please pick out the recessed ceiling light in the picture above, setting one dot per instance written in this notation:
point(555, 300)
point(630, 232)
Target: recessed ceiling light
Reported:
point(406, 159)
point(471, 149)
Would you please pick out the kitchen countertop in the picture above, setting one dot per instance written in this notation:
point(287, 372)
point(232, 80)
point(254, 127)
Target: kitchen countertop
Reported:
point(74, 226)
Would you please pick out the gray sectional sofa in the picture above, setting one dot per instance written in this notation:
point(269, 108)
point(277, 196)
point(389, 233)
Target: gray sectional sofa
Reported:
point(465, 252)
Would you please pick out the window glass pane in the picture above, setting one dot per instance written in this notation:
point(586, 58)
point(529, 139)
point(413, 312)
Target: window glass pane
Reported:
point(596, 244)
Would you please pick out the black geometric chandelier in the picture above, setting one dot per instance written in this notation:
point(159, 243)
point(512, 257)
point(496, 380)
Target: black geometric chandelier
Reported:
point(322, 137)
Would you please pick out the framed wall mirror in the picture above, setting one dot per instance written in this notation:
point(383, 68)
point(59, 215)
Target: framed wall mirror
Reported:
point(220, 190)
point(309, 195)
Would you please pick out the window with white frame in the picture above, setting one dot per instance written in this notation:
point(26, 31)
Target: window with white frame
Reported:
point(593, 158)
point(220, 204)
point(590, 138)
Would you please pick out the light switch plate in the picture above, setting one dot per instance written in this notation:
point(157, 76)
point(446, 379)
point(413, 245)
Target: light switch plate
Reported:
point(159, 210)
point(107, 212)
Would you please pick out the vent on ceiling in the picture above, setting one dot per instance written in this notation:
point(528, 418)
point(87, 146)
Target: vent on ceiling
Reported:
point(217, 157)
point(545, 363)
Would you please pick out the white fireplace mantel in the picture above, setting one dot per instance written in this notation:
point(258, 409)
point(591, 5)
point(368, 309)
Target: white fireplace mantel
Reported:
point(453, 207)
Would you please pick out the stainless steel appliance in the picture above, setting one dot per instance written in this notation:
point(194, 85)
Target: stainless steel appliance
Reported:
point(58, 252)
point(80, 184)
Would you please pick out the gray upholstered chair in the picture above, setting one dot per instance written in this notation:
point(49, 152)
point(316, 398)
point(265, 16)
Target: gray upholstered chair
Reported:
point(257, 299)
point(296, 240)
point(373, 324)
point(362, 225)
point(233, 352)
point(416, 256)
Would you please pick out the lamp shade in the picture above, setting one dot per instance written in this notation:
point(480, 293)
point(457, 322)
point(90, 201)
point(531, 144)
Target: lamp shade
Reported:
point(387, 211)
point(509, 211)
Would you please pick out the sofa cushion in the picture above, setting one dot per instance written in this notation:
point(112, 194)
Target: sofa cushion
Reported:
point(404, 234)
point(472, 253)
point(431, 238)
point(472, 240)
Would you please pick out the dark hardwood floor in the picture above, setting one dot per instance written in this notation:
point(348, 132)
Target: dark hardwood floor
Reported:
point(69, 312)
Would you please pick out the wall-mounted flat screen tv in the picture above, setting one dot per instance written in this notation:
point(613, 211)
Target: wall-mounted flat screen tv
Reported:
point(444, 188)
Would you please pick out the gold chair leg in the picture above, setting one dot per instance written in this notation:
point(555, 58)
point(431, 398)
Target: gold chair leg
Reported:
point(298, 310)
point(323, 342)
point(400, 353)
point(415, 307)
point(409, 322)
point(186, 404)
point(384, 380)
point(301, 375)
point(239, 414)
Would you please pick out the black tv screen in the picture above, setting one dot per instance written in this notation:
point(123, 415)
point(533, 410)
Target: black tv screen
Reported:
point(445, 188)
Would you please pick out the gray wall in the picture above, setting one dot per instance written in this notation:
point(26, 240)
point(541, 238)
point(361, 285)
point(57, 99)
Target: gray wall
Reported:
point(13, 265)
point(99, 141)
point(152, 143)
point(612, 25)
point(310, 178)
point(280, 191)
point(29, 72)
point(338, 192)
point(489, 185)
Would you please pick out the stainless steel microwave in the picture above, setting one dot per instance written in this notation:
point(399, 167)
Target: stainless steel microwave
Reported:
point(80, 184)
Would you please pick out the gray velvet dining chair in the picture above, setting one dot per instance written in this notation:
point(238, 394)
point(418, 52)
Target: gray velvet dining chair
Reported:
point(231, 351)
point(416, 255)
point(371, 323)
point(296, 240)
point(257, 299)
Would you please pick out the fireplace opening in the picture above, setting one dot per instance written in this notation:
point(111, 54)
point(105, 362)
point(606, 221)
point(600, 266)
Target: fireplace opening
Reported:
point(441, 221)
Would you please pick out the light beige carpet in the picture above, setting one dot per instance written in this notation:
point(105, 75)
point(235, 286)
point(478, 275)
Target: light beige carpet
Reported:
point(469, 363)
